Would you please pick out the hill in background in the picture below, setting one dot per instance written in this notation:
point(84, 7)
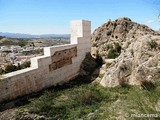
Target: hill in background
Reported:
point(19, 35)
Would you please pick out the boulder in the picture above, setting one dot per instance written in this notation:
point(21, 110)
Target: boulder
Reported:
point(140, 62)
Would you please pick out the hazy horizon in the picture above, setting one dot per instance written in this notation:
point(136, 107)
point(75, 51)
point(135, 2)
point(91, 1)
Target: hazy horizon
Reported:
point(36, 34)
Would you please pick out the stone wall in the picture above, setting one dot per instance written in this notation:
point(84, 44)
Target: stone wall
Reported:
point(58, 65)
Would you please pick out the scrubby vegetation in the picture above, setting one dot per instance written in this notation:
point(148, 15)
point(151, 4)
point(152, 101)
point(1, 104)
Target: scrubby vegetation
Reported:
point(11, 68)
point(92, 101)
point(12, 41)
point(114, 50)
point(153, 44)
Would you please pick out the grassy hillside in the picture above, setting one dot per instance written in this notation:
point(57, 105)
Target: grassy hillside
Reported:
point(92, 101)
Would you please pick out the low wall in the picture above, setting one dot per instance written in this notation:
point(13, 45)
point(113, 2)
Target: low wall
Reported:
point(58, 65)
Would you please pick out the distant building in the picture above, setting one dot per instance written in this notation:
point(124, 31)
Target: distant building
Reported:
point(16, 48)
point(4, 48)
point(28, 49)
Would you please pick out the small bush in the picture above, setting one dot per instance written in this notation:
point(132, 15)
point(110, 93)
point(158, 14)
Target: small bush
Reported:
point(109, 46)
point(114, 51)
point(117, 47)
point(112, 54)
point(25, 64)
point(153, 44)
point(10, 68)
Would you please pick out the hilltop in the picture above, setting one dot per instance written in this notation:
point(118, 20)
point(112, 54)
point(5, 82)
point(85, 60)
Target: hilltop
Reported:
point(130, 55)
point(130, 52)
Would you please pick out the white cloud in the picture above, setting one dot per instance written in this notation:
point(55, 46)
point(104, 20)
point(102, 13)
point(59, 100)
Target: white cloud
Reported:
point(151, 21)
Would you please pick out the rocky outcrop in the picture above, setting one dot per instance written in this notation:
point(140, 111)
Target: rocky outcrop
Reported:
point(134, 49)
point(121, 31)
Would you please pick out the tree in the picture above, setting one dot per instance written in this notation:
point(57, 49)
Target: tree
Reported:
point(10, 68)
point(25, 64)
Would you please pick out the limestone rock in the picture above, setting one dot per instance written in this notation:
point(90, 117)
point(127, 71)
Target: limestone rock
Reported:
point(139, 57)
point(137, 63)
point(121, 31)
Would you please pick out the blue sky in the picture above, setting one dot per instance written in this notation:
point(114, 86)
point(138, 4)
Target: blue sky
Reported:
point(54, 16)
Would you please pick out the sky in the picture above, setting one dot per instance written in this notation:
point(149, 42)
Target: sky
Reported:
point(54, 16)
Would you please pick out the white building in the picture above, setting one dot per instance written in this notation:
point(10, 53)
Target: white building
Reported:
point(15, 48)
point(5, 48)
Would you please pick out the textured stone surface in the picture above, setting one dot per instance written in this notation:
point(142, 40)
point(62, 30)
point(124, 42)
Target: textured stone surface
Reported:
point(139, 57)
point(143, 64)
point(62, 58)
point(122, 30)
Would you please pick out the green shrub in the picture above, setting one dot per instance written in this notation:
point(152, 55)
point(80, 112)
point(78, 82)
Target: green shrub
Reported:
point(153, 44)
point(114, 51)
point(10, 68)
point(25, 64)
point(117, 47)
point(112, 54)
point(22, 43)
point(109, 46)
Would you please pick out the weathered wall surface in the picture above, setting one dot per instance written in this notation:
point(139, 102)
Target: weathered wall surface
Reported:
point(58, 65)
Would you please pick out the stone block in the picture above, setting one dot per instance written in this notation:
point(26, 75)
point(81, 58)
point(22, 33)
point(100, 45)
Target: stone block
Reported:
point(61, 47)
point(42, 61)
point(47, 51)
point(80, 28)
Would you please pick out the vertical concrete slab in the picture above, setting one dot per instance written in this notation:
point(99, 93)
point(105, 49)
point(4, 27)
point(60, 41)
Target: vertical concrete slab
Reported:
point(80, 28)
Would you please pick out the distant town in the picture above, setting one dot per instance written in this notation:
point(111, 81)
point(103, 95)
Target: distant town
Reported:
point(15, 53)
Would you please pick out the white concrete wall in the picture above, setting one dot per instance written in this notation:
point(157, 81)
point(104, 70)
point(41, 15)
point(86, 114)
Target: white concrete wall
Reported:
point(38, 76)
